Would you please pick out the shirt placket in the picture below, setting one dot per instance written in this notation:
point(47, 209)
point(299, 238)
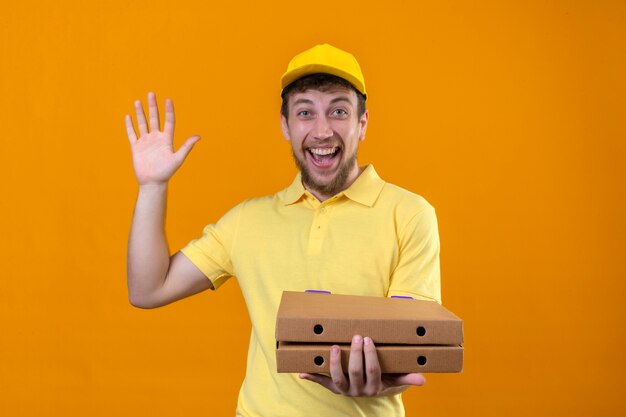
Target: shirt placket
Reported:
point(319, 227)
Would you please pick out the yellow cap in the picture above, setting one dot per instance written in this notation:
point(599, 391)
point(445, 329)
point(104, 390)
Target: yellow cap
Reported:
point(328, 60)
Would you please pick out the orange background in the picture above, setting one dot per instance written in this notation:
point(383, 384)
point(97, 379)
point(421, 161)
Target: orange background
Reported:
point(507, 116)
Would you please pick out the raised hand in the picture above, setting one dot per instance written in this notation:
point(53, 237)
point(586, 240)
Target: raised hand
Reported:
point(154, 159)
point(363, 378)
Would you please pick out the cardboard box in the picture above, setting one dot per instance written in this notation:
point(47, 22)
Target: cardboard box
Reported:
point(332, 318)
point(297, 357)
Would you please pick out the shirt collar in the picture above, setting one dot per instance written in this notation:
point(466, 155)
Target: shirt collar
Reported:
point(364, 190)
point(295, 191)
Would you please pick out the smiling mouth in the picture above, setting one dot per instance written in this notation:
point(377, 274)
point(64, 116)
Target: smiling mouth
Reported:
point(323, 157)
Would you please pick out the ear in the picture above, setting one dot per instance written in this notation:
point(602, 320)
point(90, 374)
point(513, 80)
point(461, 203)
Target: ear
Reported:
point(363, 125)
point(284, 127)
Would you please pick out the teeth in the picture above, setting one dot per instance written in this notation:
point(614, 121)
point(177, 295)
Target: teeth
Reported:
point(323, 151)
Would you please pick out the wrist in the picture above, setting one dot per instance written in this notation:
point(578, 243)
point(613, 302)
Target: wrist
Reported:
point(153, 187)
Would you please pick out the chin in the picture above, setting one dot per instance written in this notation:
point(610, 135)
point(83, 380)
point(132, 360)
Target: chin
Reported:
point(329, 186)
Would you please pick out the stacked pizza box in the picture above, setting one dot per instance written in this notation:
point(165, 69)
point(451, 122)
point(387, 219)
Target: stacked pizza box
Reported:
point(410, 335)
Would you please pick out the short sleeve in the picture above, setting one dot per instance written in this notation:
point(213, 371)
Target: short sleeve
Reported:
point(211, 253)
point(417, 273)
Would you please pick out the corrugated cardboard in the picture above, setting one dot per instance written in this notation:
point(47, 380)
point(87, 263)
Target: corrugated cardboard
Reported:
point(297, 357)
point(332, 318)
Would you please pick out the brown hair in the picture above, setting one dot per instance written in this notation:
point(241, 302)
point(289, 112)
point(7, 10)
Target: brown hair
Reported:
point(320, 82)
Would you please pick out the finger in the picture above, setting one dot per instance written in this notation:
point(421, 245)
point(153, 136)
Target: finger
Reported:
point(153, 112)
point(130, 130)
point(355, 364)
point(372, 366)
point(186, 147)
point(323, 380)
point(373, 383)
point(336, 371)
point(141, 119)
point(405, 379)
point(170, 119)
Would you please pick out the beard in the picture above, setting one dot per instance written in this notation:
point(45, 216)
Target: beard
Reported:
point(336, 185)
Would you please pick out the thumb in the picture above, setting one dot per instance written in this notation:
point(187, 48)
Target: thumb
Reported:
point(185, 148)
point(410, 379)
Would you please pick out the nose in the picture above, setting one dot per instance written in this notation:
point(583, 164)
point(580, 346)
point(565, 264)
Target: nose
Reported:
point(322, 128)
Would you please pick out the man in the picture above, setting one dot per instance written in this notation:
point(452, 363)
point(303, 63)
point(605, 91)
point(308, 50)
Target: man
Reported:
point(337, 227)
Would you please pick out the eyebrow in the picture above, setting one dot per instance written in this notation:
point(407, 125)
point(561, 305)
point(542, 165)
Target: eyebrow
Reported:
point(346, 99)
point(302, 101)
point(333, 101)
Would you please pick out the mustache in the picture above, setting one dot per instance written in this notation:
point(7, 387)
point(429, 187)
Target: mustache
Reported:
point(334, 141)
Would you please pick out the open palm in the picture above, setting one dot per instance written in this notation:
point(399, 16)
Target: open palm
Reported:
point(154, 159)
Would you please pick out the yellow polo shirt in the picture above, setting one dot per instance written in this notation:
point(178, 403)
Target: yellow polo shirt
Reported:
point(374, 239)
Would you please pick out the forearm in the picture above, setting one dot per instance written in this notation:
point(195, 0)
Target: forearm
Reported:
point(148, 254)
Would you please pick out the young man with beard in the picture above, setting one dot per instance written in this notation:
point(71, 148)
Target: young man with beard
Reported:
point(337, 227)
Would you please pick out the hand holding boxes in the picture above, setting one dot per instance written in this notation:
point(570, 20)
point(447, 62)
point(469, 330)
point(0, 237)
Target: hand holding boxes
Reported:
point(410, 335)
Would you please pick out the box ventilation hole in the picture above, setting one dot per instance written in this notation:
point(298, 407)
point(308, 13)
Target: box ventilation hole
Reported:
point(421, 331)
point(318, 329)
point(319, 360)
point(421, 360)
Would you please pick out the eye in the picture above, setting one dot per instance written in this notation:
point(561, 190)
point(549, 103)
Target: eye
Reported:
point(304, 113)
point(340, 112)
